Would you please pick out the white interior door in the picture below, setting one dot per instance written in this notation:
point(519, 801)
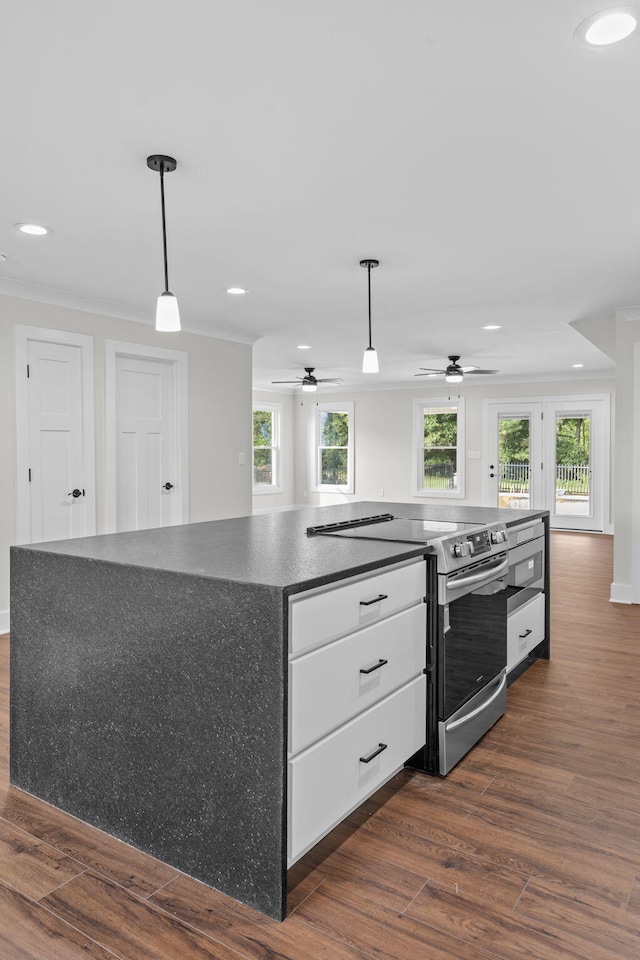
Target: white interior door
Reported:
point(146, 452)
point(54, 436)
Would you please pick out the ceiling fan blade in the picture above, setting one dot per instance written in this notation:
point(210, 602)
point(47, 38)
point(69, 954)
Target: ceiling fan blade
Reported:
point(430, 370)
point(330, 380)
point(434, 373)
point(466, 370)
point(299, 380)
point(469, 369)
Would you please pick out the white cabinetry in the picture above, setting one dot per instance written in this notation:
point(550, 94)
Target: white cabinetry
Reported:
point(357, 694)
point(525, 629)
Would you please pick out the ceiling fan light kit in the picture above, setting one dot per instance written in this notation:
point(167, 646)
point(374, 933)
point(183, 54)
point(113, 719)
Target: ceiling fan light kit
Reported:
point(370, 358)
point(167, 312)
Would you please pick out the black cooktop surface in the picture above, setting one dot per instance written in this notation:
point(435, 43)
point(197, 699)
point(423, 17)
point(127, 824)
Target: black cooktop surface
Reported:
point(404, 531)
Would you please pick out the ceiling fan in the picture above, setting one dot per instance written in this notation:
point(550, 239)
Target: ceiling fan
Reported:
point(454, 372)
point(309, 383)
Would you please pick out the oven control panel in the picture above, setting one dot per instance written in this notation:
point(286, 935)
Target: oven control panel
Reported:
point(456, 551)
point(473, 545)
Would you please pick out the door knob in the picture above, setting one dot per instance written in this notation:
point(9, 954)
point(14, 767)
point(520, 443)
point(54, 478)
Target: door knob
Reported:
point(76, 493)
point(167, 486)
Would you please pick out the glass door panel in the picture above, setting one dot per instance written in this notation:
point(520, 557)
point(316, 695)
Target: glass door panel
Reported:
point(514, 461)
point(573, 491)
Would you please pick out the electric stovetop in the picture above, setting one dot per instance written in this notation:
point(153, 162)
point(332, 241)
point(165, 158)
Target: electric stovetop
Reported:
point(388, 527)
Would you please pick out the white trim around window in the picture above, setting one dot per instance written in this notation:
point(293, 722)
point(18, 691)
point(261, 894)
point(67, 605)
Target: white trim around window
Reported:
point(320, 449)
point(275, 484)
point(449, 477)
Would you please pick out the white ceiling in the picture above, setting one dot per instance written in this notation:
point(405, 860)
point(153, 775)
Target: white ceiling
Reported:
point(487, 160)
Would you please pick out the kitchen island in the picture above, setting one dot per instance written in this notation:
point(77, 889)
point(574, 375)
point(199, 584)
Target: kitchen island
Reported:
point(149, 679)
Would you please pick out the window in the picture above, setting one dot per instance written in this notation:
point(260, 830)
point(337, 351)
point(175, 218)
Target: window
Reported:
point(334, 447)
point(266, 448)
point(440, 448)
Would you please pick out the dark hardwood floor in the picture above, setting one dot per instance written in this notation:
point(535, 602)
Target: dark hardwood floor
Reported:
point(529, 850)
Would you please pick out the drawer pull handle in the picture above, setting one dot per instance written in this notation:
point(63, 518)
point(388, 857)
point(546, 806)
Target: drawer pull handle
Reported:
point(376, 666)
point(367, 603)
point(525, 634)
point(381, 747)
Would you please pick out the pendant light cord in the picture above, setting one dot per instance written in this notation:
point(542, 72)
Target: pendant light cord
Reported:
point(164, 230)
point(369, 285)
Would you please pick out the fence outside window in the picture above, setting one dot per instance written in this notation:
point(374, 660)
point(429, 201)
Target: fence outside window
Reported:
point(572, 478)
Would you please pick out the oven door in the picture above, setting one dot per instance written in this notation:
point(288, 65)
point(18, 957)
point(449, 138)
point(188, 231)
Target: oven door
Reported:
point(473, 632)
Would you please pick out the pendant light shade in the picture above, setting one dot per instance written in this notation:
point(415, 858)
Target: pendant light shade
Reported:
point(370, 361)
point(167, 312)
point(370, 358)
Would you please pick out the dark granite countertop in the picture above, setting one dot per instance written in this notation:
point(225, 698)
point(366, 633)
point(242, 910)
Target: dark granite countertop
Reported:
point(271, 549)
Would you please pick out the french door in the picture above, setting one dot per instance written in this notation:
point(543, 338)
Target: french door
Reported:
point(551, 455)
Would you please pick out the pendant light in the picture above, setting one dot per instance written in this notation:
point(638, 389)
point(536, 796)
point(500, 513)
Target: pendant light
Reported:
point(370, 358)
point(167, 313)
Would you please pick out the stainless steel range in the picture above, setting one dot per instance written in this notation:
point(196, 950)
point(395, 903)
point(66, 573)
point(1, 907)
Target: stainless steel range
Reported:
point(467, 648)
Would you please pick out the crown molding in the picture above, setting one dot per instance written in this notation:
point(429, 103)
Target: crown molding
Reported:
point(628, 313)
point(107, 308)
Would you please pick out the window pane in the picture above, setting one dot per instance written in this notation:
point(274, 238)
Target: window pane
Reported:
point(263, 466)
point(333, 466)
point(334, 429)
point(262, 428)
point(441, 428)
point(440, 469)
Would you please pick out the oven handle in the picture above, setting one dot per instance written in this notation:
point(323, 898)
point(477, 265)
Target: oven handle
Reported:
point(487, 574)
point(474, 713)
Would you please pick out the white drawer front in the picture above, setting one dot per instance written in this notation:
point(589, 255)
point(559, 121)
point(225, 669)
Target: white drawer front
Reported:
point(338, 610)
point(329, 780)
point(327, 686)
point(525, 630)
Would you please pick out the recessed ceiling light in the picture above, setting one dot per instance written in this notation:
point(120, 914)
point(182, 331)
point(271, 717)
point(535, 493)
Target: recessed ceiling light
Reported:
point(33, 229)
point(492, 326)
point(608, 26)
point(304, 346)
point(577, 365)
point(236, 291)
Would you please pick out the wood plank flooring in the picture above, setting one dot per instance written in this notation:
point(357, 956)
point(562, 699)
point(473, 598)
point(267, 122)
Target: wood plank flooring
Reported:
point(529, 850)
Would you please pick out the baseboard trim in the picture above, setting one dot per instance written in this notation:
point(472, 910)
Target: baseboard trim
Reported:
point(4, 621)
point(622, 593)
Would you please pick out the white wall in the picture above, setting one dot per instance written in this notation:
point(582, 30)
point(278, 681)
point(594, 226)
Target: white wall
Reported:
point(274, 501)
point(384, 437)
point(219, 401)
point(626, 585)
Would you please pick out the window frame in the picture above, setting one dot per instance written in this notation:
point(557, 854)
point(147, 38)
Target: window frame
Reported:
point(421, 407)
point(348, 407)
point(275, 409)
